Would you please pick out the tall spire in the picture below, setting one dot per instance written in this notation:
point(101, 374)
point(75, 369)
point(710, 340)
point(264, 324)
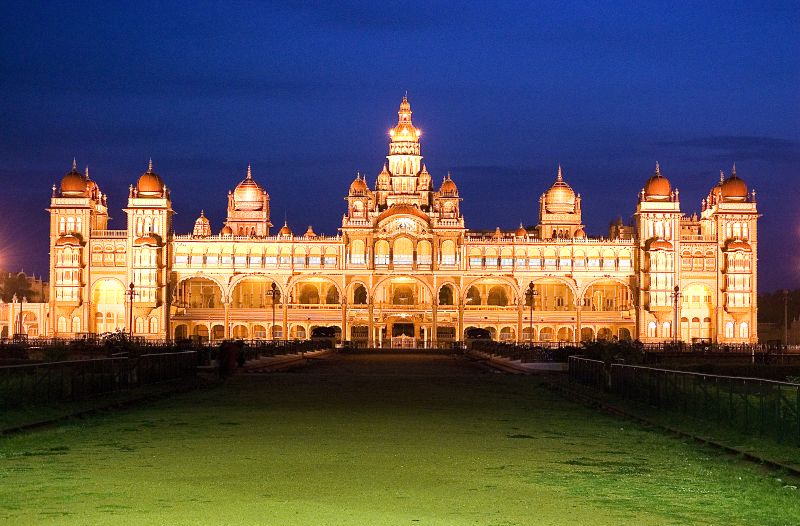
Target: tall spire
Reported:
point(733, 170)
point(658, 170)
point(87, 171)
point(74, 164)
point(721, 176)
point(249, 172)
point(150, 166)
point(560, 176)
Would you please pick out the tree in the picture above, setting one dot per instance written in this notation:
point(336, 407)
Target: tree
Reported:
point(18, 284)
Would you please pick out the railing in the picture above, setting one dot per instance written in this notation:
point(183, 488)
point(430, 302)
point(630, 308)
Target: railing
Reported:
point(528, 352)
point(75, 380)
point(115, 234)
point(750, 405)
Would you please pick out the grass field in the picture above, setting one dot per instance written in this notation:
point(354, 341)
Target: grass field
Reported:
point(372, 440)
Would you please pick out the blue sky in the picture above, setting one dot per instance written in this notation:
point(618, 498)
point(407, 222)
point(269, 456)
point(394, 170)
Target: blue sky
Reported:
point(504, 92)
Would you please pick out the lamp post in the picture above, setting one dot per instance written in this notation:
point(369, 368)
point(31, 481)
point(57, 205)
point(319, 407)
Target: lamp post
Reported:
point(275, 295)
point(676, 296)
point(785, 318)
point(130, 293)
point(531, 293)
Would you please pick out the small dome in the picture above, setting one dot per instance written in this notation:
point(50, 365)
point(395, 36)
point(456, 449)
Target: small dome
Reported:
point(660, 244)
point(733, 188)
point(226, 231)
point(448, 188)
point(580, 234)
point(310, 232)
point(73, 184)
point(359, 186)
point(202, 226)
point(739, 245)
point(249, 195)
point(497, 233)
point(657, 188)
point(150, 183)
point(285, 230)
point(521, 232)
point(560, 198)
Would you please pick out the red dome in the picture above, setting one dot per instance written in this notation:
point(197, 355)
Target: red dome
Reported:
point(150, 183)
point(657, 188)
point(73, 184)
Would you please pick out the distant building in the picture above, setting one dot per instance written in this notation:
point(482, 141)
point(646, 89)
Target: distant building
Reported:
point(404, 265)
point(23, 304)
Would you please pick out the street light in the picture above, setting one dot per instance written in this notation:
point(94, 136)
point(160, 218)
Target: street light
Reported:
point(676, 296)
point(531, 293)
point(785, 318)
point(130, 293)
point(275, 294)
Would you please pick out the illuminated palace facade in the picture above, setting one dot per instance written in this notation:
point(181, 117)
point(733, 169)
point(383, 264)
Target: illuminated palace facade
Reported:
point(404, 268)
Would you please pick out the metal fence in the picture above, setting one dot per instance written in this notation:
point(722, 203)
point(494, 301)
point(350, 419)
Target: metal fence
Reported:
point(75, 380)
point(528, 352)
point(751, 405)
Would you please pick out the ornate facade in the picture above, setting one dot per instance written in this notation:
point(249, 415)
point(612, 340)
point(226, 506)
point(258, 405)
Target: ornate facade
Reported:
point(404, 267)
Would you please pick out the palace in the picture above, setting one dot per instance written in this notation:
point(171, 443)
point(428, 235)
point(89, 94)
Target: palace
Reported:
point(404, 268)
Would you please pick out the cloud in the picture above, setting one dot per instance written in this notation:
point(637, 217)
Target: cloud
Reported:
point(743, 147)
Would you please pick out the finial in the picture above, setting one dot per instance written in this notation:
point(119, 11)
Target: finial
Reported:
point(560, 176)
point(733, 170)
point(150, 166)
point(658, 169)
point(202, 213)
point(405, 97)
point(249, 172)
point(721, 176)
point(87, 171)
point(74, 164)
point(448, 174)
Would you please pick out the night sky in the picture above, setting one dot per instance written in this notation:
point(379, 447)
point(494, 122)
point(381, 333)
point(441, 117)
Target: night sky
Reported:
point(503, 92)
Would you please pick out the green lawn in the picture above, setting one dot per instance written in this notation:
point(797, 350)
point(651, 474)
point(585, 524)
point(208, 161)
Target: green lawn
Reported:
point(370, 440)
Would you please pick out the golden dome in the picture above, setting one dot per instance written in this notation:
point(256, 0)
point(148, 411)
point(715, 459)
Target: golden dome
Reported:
point(73, 184)
point(68, 240)
point(202, 226)
point(657, 188)
point(521, 232)
point(733, 188)
point(405, 130)
point(497, 233)
point(448, 188)
point(310, 232)
point(150, 183)
point(285, 230)
point(560, 198)
point(401, 208)
point(359, 186)
point(249, 195)
point(580, 234)
point(226, 231)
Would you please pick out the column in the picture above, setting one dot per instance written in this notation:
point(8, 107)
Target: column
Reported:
point(285, 328)
point(460, 335)
point(520, 309)
point(227, 333)
point(434, 324)
point(371, 342)
point(344, 321)
point(578, 323)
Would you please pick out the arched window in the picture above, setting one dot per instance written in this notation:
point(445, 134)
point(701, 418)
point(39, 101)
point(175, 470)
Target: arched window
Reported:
point(76, 324)
point(403, 253)
point(360, 295)
point(448, 252)
point(743, 330)
point(473, 296)
point(332, 296)
point(497, 296)
point(153, 325)
point(651, 329)
point(446, 295)
point(729, 329)
point(62, 324)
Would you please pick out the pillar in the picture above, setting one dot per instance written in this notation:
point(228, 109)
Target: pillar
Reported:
point(460, 335)
point(520, 309)
point(285, 328)
point(434, 324)
point(370, 310)
point(227, 333)
point(577, 323)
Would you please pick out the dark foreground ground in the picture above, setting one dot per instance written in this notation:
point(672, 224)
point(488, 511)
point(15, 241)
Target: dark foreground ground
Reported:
point(377, 439)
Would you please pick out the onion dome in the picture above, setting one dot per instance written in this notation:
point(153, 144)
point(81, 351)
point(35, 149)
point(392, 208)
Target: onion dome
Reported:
point(580, 234)
point(285, 230)
point(739, 245)
point(202, 227)
point(359, 186)
point(733, 188)
point(92, 190)
point(310, 232)
point(384, 178)
point(521, 232)
point(660, 244)
point(226, 231)
point(249, 195)
point(497, 233)
point(560, 198)
point(448, 188)
point(657, 188)
point(150, 183)
point(68, 240)
point(73, 184)
point(405, 130)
